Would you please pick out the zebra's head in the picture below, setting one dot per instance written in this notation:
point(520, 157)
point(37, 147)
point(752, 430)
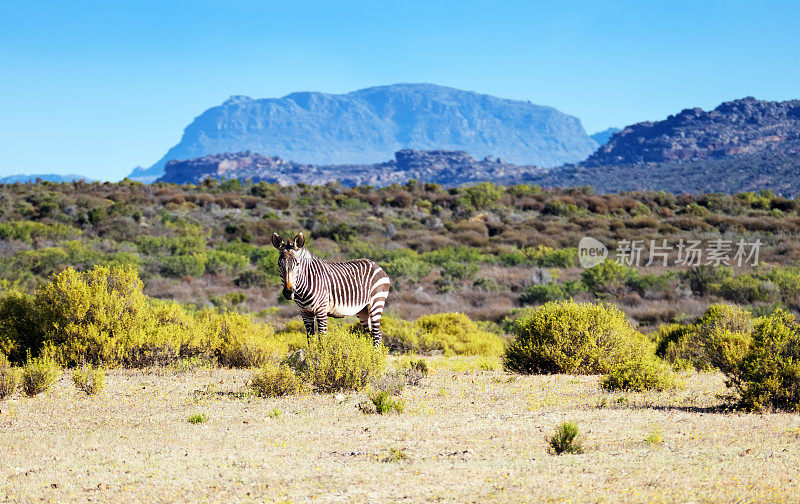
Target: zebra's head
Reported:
point(291, 251)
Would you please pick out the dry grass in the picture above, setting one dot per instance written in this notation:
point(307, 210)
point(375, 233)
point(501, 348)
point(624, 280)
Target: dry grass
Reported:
point(465, 436)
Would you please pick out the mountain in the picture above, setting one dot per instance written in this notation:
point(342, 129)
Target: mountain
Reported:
point(742, 145)
point(736, 128)
point(601, 137)
point(369, 125)
point(443, 167)
point(50, 177)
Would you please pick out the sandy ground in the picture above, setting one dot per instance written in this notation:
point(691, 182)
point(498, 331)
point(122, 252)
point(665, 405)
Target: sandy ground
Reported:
point(465, 436)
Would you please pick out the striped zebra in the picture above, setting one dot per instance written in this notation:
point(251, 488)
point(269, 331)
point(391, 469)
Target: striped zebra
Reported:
point(336, 289)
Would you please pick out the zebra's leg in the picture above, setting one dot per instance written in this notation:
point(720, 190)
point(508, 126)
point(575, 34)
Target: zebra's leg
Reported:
point(375, 325)
point(363, 317)
point(308, 321)
point(322, 323)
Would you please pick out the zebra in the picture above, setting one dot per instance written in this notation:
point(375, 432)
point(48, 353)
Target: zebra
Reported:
point(337, 289)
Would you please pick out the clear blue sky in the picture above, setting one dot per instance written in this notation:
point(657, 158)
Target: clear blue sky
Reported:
point(96, 88)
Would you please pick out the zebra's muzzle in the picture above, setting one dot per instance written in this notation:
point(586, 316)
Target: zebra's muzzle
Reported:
point(288, 294)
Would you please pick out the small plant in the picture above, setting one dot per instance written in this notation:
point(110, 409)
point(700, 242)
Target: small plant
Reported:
point(198, 418)
point(274, 413)
point(654, 438)
point(381, 403)
point(276, 380)
point(395, 455)
point(565, 439)
point(38, 375)
point(89, 379)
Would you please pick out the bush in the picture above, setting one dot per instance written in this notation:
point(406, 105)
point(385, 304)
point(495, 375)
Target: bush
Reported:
point(342, 360)
point(179, 266)
point(20, 328)
point(723, 334)
point(639, 374)
point(89, 379)
point(606, 276)
point(197, 418)
point(705, 279)
point(747, 289)
point(38, 375)
point(93, 316)
point(570, 337)
point(219, 261)
point(551, 291)
point(676, 345)
point(275, 380)
point(406, 267)
point(718, 339)
point(565, 439)
point(9, 378)
point(381, 402)
point(238, 340)
point(768, 376)
point(448, 333)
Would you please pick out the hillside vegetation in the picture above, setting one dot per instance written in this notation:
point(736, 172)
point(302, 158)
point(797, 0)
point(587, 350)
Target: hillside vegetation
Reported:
point(481, 250)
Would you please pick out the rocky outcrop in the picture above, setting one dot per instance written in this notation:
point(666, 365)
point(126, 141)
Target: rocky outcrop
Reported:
point(738, 128)
point(448, 168)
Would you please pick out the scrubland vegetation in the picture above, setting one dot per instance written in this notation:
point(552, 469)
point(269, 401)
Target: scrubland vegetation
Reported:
point(100, 280)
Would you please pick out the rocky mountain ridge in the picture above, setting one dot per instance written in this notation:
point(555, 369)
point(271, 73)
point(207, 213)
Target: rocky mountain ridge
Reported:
point(447, 168)
point(733, 129)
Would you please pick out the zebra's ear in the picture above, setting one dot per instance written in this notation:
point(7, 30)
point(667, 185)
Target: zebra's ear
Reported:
point(299, 241)
point(277, 241)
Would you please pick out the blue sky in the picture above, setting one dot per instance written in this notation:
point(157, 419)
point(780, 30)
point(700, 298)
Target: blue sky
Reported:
point(96, 88)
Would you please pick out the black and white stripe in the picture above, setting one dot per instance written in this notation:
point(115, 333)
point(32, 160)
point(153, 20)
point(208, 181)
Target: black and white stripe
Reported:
point(336, 289)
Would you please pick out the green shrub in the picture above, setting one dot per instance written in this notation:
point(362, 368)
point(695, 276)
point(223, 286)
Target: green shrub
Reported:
point(565, 439)
point(453, 271)
point(185, 265)
point(654, 438)
point(606, 276)
point(570, 337)
point(676, 345)
point(639, 374)
point(546, 257)
point(649, 284)
point(448, 333)
point(28, 231)
point(197, 418)
point(723, 335)
point(718, 339)
point(551, 291)
point(381, 402)
point(342, 360)
point(89, 379)
point(747, 289)
point(219, 261)
point(20, 327)
point(274, 380)
point(705, 279)
point(406, 267)
point(768, 375)
point(39, 374)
